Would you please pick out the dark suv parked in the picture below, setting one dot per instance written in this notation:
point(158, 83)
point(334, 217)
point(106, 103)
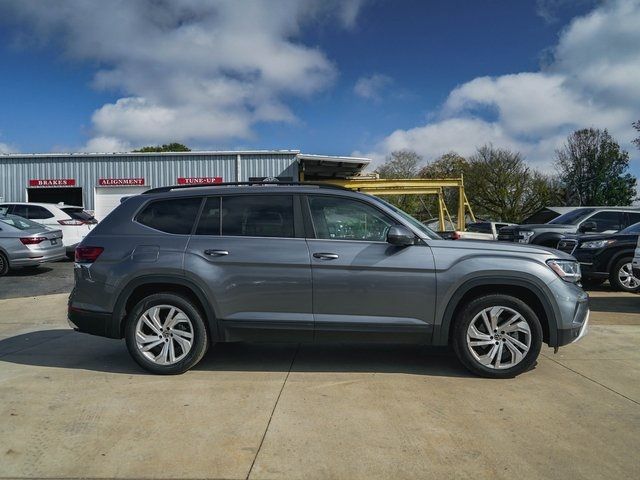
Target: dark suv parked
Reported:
point(605, 257)
point(586, 220)
point(177, 269)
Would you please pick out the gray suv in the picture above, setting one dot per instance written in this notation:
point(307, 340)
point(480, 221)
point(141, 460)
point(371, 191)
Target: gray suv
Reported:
point(175, 270)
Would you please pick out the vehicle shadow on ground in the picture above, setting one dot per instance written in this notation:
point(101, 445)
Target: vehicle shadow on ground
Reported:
point(28, 272)
point(620, 302)
point(70, 350)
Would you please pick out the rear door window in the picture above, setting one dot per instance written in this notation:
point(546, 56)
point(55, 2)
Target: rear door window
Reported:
point(607, 221)
point(258, 216)
point(173, 215)
point(4, 209)
point(633, 218)
point(20, 210)
point(35, 212)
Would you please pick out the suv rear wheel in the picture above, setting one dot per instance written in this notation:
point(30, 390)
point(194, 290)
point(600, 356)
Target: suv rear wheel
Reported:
point(622, 278)
point(4, 264)
point(497, 336)
point(165, 334)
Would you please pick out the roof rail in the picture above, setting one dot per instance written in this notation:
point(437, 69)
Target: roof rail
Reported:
point(237, 184)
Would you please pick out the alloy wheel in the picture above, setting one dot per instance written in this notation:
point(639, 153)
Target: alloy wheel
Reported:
point(626, 277)
point(164, 334)
point(499, 337)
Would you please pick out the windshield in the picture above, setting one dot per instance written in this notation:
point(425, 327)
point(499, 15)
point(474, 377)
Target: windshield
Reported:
point(635, 228)
point(573, 217)
point(20, 223)
point(413, 221)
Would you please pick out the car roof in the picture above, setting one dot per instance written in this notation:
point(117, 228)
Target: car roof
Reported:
point(245, 188)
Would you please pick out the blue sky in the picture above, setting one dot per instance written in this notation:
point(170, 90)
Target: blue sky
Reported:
point(352, 77)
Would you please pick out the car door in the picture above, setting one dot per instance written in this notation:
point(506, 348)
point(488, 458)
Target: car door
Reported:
point(251, 252)
point(361, 283)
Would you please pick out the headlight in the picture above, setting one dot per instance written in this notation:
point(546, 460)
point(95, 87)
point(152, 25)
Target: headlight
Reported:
point(525, 236)
point(596, 244)
point(567, 270)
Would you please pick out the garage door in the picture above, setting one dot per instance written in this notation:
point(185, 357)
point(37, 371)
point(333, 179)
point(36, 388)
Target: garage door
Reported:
point(108, 198)
point(66, 195)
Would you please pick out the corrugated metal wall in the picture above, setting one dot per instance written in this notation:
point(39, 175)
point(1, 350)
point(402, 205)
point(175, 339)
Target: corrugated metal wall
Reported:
point(158, 171)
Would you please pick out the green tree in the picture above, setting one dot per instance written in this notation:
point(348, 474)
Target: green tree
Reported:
point(167, 147)
point(500, 185)
point(636, 140)
point(403, 164)
point(594, 170)
point(400, 164)
point(449, 165)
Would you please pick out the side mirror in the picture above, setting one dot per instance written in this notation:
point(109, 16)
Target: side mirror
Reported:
point(588, 227)
point(400, 236)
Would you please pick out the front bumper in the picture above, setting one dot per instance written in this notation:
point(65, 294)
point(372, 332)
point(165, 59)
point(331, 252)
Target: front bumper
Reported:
point(571, 335)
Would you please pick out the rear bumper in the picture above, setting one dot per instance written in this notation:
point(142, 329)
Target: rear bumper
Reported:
point(36, 259)
point(93, 323)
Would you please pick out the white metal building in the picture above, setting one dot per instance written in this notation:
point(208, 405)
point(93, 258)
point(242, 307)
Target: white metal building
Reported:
point(98, 181)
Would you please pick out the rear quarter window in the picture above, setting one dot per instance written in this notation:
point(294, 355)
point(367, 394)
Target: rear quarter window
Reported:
point(173, 215)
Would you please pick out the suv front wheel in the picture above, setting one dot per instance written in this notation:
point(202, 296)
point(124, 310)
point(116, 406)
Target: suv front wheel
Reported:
point(497, 336)
point(165, 334)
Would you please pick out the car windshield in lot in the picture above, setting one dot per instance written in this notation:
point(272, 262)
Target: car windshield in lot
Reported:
point(573, 217)
point(21, 223)
point(413, 221)
point(78, 213)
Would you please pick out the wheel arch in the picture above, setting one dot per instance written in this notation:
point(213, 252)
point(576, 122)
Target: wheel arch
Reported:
point(526, 290)
point(617, 256)
point(141, 287)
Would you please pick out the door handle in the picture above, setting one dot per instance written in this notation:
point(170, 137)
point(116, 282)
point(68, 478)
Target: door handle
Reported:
point(326, 256)
point(216, 253)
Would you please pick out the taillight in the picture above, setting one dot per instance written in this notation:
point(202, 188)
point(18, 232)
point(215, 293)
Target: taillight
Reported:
point(455, 236)
point(70, 222)
point(32, 240)
point(88, 254)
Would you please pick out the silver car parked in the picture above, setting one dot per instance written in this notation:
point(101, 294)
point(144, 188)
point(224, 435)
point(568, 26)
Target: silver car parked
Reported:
point(24, 243)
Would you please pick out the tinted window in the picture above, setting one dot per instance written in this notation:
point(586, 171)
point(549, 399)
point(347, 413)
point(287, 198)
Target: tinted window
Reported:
point(258, 216)
point(479, 227)
point(633, 217)
point(38, 213)
point(79, 214)
point(4, 209)
point(20, 210)
point(209, 223)
point(573, 217)
point(607, 221)
point(339, 218)
point(175, 215)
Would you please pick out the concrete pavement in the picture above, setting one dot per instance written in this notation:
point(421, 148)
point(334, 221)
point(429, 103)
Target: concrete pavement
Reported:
point(72, 405)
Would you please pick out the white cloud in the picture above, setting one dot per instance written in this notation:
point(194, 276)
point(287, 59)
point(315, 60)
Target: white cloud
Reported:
point(194, 70)
point(6, 148)
point(370, 87)
point(593, 81)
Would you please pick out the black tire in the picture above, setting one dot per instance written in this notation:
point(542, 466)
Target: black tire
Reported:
point(4, 264)
point(466, 315)
point(592, 282)
point(614, 278)
point(200, 340)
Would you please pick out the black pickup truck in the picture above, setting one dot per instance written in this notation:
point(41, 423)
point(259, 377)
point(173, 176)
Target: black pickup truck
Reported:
point(586, 220)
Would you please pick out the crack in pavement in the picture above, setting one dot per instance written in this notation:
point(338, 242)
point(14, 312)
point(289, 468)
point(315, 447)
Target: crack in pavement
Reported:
point(590, 379)
point(295, 354)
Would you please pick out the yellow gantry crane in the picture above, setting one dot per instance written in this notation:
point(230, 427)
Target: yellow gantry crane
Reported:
point(414, 186)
